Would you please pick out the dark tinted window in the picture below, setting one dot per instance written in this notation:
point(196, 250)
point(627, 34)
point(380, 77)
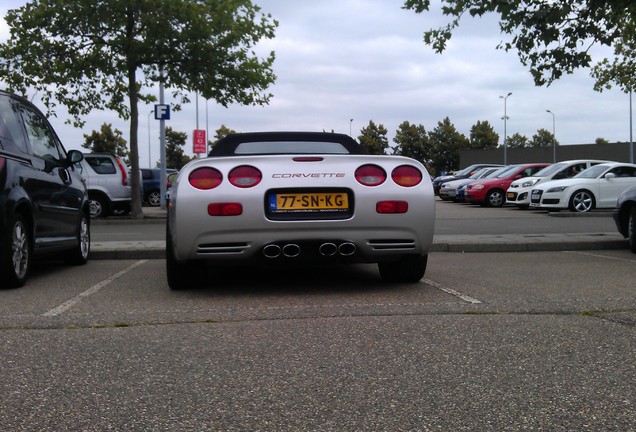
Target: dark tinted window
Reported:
point(42, 140)
point(101, 164)
point(10, 129)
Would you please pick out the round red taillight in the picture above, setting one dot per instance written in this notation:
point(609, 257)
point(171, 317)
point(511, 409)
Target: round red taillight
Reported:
point(406, 175)
point(245, 176)
point(370, 175)
point(205, 178)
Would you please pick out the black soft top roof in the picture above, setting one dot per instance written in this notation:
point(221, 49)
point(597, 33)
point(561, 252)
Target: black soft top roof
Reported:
point(227, 145)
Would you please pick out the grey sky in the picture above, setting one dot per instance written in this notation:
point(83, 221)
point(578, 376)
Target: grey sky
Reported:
point(364, 60)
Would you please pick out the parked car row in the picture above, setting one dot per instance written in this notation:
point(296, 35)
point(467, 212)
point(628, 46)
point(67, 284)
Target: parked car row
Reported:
point(578, 185)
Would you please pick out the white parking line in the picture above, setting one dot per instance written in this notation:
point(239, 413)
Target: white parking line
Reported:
point(601, 256)
point(92, 290)
point(452, 292)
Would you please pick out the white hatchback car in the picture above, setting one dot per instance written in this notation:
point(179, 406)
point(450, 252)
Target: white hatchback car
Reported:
point(519, 191)
point(596, 187)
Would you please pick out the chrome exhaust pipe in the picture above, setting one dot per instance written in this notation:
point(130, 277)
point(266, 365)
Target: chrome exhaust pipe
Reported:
point(347, 249)
point(328, 249)
point(271, 251)
point(291, 250)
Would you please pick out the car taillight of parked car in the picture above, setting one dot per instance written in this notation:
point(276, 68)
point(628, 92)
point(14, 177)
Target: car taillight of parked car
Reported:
point(370, 175)
point(245, 176)
point(407, 176)
point(124, 171)
point(205, 178)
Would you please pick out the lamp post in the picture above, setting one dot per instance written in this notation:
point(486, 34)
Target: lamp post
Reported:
point(350, 121)
point(505, 119)
point(631, 141)
point(553, 136)
point(149, 147)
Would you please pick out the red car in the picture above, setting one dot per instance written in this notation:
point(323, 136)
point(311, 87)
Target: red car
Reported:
point(492, 191)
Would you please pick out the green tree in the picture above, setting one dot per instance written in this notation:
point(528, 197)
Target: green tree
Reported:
point(446, 143)
point(543, 138)
point(374, 139)
point(175, 142)
point(601, 141)
point(221, 132)
point(621, 70)
point(108, 54)
point(412, 141)
point(550, 37)
point(483, 136)
point(516, 140)
point(107, 140)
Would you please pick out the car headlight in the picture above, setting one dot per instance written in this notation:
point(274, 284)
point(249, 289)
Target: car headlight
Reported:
point(530, 183)
point(557, 189)
point(479, 186)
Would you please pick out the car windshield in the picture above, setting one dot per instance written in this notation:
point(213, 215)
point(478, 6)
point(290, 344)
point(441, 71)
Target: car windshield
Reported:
point(479, 173)
point(492, 172)
point(507, 171)
point(289, 147)
point(592, 172)
point(550, 169)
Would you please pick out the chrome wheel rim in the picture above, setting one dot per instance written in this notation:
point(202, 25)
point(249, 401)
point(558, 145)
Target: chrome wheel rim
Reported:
point(582, 202)
point(496, 199)
point(84, 238)
point(20, 250)
point(95, 207)
point(154, 199)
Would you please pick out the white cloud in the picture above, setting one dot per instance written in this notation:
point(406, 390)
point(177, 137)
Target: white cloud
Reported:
point(366, 60)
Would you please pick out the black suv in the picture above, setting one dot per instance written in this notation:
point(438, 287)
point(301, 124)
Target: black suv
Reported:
point(43, 200)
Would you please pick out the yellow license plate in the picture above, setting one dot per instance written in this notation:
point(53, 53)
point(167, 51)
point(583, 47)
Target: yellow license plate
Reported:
point(312, 201)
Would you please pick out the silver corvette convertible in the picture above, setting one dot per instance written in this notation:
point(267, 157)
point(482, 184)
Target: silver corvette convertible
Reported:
point(298, 198)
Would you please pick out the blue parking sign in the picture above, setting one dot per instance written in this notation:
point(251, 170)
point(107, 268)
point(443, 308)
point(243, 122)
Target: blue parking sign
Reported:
point(162, 112)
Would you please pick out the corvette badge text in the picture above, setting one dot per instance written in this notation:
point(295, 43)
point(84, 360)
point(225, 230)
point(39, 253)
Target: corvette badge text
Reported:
point(308, 175)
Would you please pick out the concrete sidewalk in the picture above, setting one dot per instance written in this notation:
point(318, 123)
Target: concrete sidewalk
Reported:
point(441, 243)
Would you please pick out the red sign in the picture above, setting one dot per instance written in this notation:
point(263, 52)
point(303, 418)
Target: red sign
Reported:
point(198, 141)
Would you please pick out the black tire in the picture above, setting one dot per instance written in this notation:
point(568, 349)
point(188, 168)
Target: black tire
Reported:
point(79, 254)
point(98, 206)
point(15, 253)
point(631, 229)
point(181, 275)
point(154, 198)
point(408, 269)
point(495, 198)
point(582, 201)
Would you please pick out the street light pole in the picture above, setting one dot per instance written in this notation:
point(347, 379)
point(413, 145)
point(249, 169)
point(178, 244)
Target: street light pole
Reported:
point(505, 119)
point(149, 147)
point(553, 136)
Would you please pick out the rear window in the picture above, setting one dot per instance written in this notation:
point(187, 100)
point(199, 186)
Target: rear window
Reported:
point(10, 133)
point(289, 147)
point(101, 165)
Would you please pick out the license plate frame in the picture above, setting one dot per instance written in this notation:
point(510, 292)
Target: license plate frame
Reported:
point(303, 203)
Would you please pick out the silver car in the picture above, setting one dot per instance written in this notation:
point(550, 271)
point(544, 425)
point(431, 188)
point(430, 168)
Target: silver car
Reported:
point(299, 197)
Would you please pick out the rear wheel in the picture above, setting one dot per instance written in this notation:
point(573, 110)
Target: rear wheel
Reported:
point(98, 206)
point(154, 198)
point(15, 254)
point(181, 275)
point(582, 201)
point(79, 254)
point(408, 269)
point(631, 228)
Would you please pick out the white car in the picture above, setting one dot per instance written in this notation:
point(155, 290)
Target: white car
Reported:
point(596, 187)
point(298, 197)
point(448, 190)
point(519, 191)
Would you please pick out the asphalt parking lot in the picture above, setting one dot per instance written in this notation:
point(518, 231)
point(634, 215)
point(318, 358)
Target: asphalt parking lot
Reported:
point(530, 340)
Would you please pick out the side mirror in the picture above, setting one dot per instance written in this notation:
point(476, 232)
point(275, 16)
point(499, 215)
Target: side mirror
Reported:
point(73, 157)
point(610, 175)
